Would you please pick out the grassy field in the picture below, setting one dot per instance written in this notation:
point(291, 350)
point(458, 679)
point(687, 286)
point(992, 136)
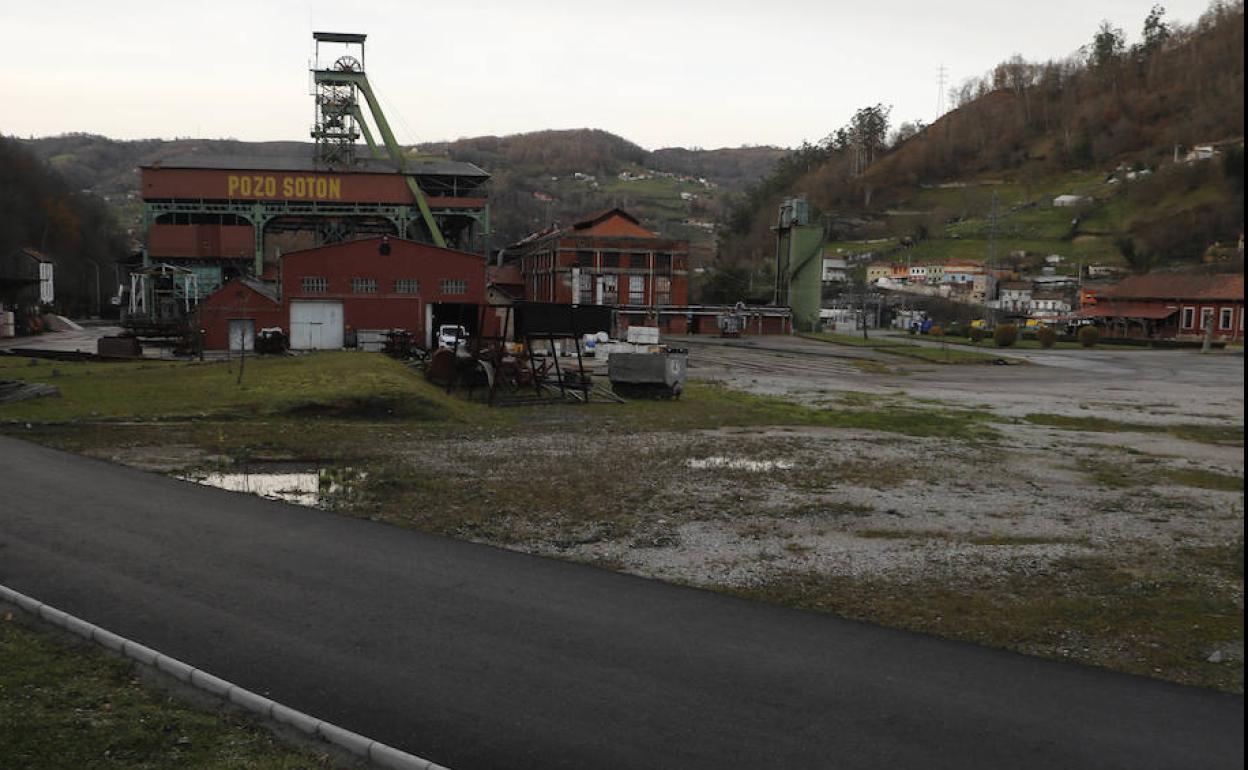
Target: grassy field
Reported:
point(1026, 219)
point(1208, 434)
point(344, 383)
point(65, 704)
point(1149, 600)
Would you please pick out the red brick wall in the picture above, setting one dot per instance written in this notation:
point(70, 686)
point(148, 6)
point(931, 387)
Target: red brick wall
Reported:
point(386, 309)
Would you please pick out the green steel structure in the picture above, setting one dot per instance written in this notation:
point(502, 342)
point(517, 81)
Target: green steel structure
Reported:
point(799, 263)
point(340, 119)
point(300, 215)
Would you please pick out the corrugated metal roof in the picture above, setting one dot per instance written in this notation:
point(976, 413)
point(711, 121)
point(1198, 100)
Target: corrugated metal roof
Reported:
point(1178, 286)
point(306, 162)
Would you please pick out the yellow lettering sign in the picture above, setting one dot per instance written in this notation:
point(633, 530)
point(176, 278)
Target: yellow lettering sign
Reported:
point(296, 187)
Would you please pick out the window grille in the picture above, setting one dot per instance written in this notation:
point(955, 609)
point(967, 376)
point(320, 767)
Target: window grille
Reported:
point(314, 284)
point(454, 286)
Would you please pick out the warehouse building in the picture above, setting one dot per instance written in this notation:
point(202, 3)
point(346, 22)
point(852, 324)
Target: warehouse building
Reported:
point(1170, 306)
point(326, 295)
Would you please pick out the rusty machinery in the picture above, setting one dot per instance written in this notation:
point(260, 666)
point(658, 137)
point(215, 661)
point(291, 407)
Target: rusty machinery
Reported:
point(526, 371)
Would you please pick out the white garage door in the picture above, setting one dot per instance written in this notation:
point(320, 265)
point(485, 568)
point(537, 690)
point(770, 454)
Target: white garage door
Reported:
point(315, 325)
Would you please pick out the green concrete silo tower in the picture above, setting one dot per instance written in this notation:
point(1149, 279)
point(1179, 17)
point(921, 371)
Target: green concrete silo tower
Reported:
point(799, 263)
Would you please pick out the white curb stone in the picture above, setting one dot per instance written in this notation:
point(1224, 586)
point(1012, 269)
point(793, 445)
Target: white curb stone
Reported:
point(379, 753)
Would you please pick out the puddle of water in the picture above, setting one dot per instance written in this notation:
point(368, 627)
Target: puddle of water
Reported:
point(312, 487)
point(739, 464)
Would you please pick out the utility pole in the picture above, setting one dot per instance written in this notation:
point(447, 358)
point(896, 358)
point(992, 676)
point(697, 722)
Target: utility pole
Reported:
point(96, 265)
point(940, 90)
point(992, 247)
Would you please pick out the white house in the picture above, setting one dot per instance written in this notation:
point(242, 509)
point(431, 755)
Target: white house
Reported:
point(1014, 297)
point(835, 270)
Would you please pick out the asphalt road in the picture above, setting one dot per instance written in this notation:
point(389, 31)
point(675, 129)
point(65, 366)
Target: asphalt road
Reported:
point(476, 657)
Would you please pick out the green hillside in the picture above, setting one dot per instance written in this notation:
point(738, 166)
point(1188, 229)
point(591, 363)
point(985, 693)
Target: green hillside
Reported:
point(1114, 125)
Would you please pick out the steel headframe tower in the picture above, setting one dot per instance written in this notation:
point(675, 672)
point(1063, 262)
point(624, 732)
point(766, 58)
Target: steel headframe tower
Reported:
point(340, 121)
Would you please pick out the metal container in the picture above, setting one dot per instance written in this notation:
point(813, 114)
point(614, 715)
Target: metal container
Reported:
point(654, 375)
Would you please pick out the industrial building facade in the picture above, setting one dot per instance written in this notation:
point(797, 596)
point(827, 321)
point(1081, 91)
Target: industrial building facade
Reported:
point(226, 217)
point(325, 294)
point(1171, 305)
point(606, 258)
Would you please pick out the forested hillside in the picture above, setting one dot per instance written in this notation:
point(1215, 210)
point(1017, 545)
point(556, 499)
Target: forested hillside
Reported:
point(1107, 124)
point(40, 209)
point(544, 177)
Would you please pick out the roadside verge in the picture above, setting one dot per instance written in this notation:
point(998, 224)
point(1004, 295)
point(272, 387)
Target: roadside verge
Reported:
point(354, 743)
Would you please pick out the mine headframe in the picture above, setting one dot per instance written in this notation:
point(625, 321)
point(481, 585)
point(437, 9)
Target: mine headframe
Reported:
point(339, 80)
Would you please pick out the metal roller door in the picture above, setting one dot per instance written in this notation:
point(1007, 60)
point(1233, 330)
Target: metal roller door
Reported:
point(315, 325)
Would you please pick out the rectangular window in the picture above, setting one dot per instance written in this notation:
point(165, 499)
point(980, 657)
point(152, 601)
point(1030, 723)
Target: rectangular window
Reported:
point(454, 286)
point(363, 285)
point(586, 289)
point(662, 290)
point(585, 259)
point(610, 289)
point(1189, 317)
point(313, 284)
point(1226, 316)
point(662, 263)
point(636, 290)
point(611, 259)
point(1206, 318)
point(407, 286)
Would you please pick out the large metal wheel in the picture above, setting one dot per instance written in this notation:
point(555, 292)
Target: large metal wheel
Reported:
point(348, 64)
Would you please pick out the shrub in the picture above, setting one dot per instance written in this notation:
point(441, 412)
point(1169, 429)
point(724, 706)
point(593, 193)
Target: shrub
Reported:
point(1046, 337)
point(1088, 335)
point(1005, 335)
point(977, 334)
point(936, 331)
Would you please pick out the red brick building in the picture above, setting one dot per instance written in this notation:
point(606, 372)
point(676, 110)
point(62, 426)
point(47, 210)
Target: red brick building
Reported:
point(606, 258)
point(325, 293)
point(1171, 305)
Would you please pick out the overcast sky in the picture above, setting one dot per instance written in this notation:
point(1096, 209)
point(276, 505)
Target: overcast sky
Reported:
point(704, 73)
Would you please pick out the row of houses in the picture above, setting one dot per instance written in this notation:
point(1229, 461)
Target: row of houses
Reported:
point(1157, 306)
point(963, 280)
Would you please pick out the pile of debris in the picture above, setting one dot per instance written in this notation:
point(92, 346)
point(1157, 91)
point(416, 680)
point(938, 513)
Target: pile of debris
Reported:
point(16, 390)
